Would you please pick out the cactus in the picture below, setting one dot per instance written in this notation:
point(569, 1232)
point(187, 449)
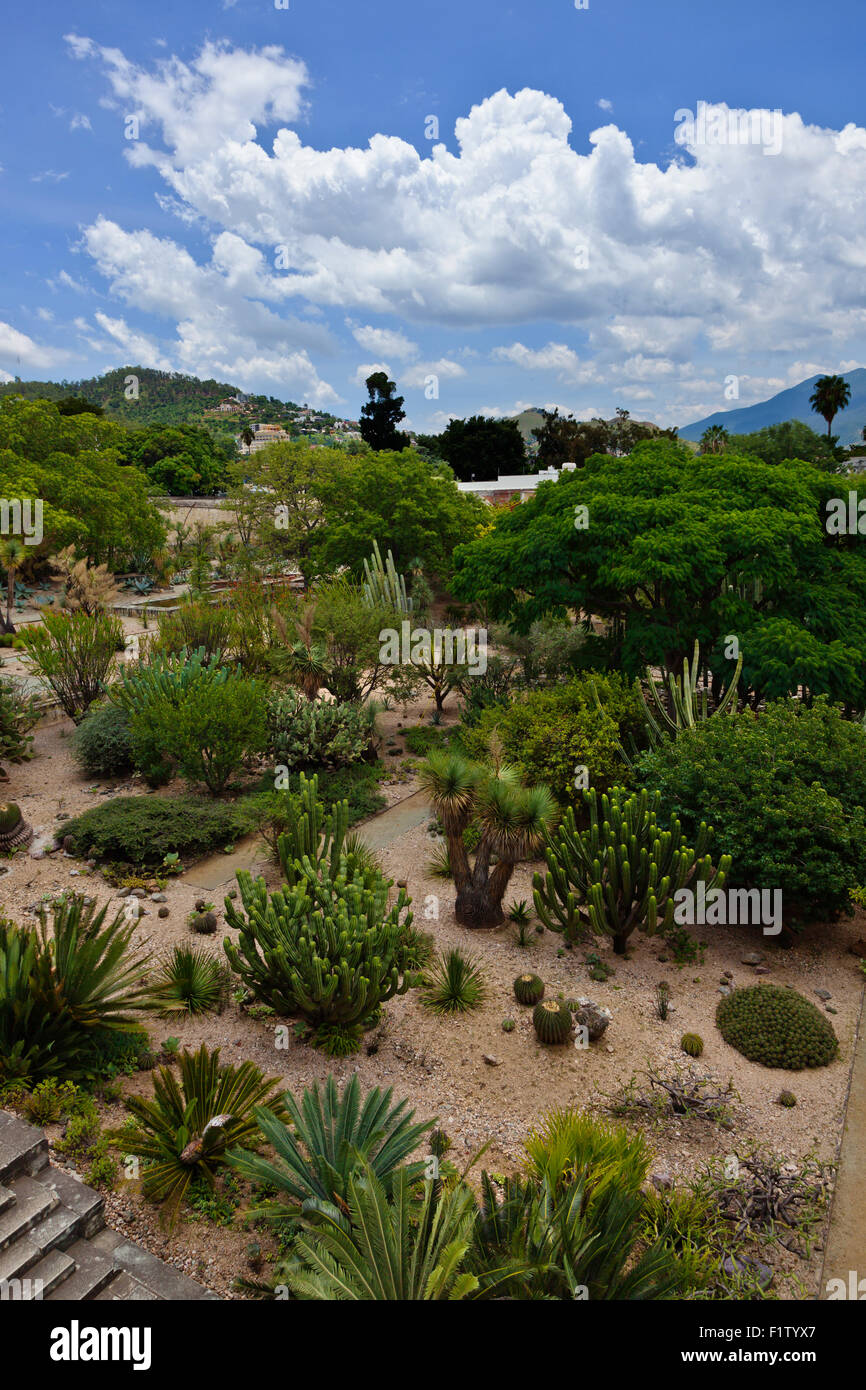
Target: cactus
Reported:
point(787, 1099)
point(10, 817)
point(327, 945)
point(382, 586)
point(552, 1022)
point(687, 705)
point(205, 923)
point(528, 989)
point(508, 1025)
point(622, 872)
point(315, 836)
point(692, 1044)
point(14, 831)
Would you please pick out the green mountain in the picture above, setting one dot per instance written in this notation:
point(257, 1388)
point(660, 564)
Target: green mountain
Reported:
point(792, 404)
point(164, 398)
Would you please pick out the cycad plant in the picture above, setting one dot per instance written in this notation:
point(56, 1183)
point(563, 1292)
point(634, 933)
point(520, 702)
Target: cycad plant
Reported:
point(184, 1131)
point(512, 819)
point(622, 872)
point(330, 1138)
point(62, 985)
point(395, 1249)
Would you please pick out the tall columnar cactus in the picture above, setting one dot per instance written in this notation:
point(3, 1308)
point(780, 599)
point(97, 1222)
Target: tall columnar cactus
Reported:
point(383, 587)
point(622, 872)
point(688, 706)
point(314, 836)
point(327, 946)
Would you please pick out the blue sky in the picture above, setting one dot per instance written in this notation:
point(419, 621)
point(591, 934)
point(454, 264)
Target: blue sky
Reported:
point(567, 238)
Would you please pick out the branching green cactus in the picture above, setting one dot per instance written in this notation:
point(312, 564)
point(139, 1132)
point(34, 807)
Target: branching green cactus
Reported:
point(328, 946)
point(314, 835)
point(688, 705)
point(383, 587)
point(622, 872)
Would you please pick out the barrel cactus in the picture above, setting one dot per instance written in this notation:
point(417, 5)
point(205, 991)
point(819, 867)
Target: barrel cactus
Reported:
point(528, 989)
point(205, 923)
point(14, 830)
point(692, 1044)
point(552, 1021)
point(786, 1099)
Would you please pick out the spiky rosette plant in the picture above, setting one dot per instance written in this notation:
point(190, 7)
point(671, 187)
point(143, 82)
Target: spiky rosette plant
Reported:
point(512, 821)
point(622, 872)
point(551, 1021)
point(528, 989)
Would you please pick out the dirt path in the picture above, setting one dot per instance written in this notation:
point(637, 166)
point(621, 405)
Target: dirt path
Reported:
point(845, 1251)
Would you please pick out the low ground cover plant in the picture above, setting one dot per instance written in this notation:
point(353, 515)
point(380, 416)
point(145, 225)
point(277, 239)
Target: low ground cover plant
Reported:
point(141, 831)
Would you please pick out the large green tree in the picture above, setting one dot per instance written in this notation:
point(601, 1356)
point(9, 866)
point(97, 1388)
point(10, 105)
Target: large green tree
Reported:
point(792, 439)
point(382, 413)
point(71, 464)
point(479, 448)
point(664, 546)
point(180, 460)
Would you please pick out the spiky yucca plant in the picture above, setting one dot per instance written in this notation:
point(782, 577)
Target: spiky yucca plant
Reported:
point(512, 819)
point(190, 982)
point(331, 1136)
point(185, 1130)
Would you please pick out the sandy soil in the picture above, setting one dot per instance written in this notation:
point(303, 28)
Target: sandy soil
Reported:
point(483, 1084)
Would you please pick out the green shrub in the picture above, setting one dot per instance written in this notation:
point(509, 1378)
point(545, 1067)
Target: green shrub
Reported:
point(102, 743)
point(785, 791)
point(548, 734)
point(203, 718)
point(422, 738)
point(195, 625)
point(141, 830)
point(73, 655)
point(776, 1027)
point(318, 733)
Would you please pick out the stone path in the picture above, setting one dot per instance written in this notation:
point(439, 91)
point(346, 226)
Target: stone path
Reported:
point(845, 1251)
point(54, 1244)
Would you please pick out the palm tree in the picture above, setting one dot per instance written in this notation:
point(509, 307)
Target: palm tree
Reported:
point(512, 820)
point(831, 394)
point(247, 436)
point(714, 439)
point(12, 555)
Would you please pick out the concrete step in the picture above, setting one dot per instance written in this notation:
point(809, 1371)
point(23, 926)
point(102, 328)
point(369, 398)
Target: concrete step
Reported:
point(84, 1205)
point(7, 1197)
point(161, 1279)
point(93, 1273)
point(23, 1148)
point(33, 1203)
point(48, 1274)
point(17, 1260)
point(124, 1288)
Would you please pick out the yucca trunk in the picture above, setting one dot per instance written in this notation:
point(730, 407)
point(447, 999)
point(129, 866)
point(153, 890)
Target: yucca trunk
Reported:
point(480, 892)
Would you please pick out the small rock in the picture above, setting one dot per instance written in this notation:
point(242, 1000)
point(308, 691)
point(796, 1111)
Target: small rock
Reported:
point(163, 912)
point(762, 969)
point(735, 1265)
point(592, 1017)
point(858, 948)
point(491, 1061)
point(829, 1009)
point(62, 815)
point(662, 1180)
point(158, 898)
point(663, 960)
point(753, 958)
point(74, 873)
point(822, 993)
point(723, 989)
point(137, 893)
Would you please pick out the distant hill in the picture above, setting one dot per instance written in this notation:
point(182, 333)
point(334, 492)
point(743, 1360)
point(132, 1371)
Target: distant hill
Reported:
point(792, 404)
point(526, 422)
point(166, 398)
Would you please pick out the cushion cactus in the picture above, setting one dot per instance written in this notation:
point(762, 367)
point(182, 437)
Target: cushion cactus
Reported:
point(14, 830)
point(776, 1027)
point(528, 989)
point(552, 1021)
point(205, 923)
point(692, 1044)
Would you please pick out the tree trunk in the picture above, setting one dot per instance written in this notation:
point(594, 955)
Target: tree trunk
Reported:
point(474, 908)
point(620, 945)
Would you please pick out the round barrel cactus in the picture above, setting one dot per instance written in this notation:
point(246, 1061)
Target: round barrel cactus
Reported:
point(528, 989)
point(552, 1021)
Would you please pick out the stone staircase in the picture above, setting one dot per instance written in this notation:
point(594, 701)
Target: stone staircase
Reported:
point(54, 1243)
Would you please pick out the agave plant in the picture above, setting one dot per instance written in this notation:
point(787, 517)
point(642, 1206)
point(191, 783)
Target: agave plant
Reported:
point(36, 1040)
point(332, 1135)
point(512, 820)
point(190, 982)
point(391, 1249)
point(455, 984)
point(184, 1131)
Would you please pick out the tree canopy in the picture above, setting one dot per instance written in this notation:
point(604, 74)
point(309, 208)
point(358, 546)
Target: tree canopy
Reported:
point(180, 460)
point(382, 413)
point(479, 448)
point(562, 439)
point(665, 546)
